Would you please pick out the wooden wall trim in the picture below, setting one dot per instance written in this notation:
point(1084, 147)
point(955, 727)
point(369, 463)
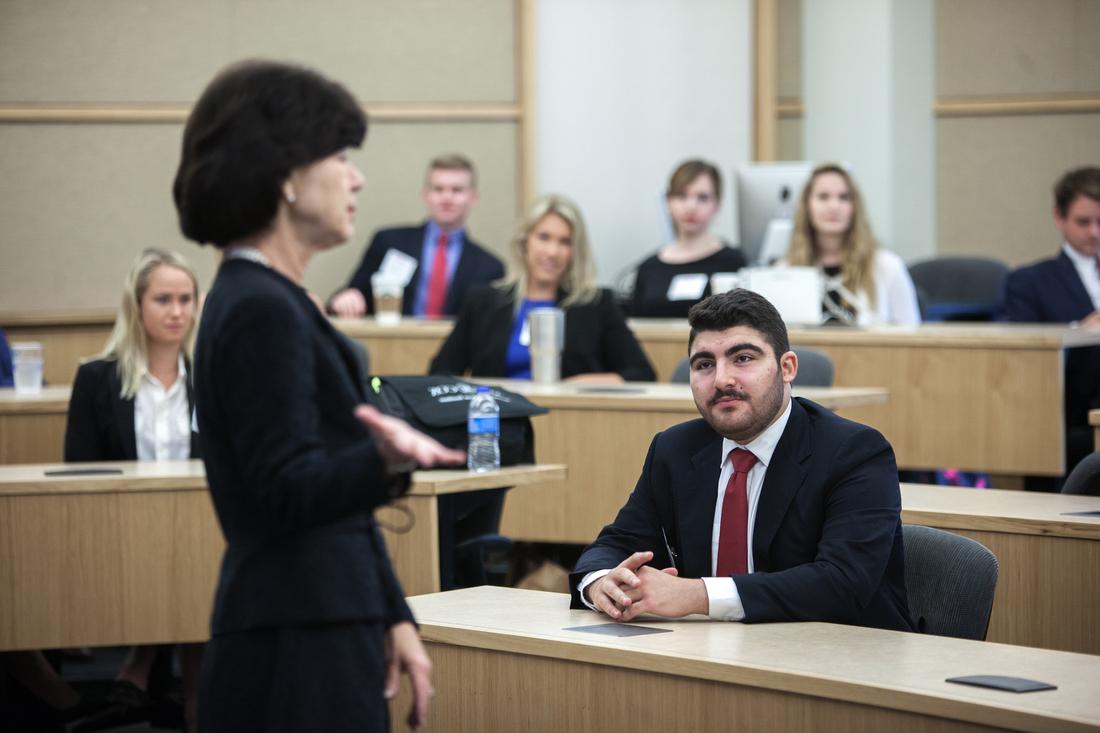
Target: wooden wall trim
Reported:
point(787, 108)
point(66, 318)
point(1016, 105)
point(765, 79)
point(177, 113)
point(527, 94)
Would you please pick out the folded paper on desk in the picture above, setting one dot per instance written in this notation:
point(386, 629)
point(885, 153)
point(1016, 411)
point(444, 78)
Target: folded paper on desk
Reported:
point(617, 629)
point(999, 682)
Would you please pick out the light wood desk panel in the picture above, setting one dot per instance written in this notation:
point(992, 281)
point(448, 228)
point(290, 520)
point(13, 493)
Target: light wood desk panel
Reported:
point(134, 558)
point(66, 337)
point(1049, 582)
point(32, 427)
point(602, 434)
point(406, 347)
point(504, 660)
point(980, 397)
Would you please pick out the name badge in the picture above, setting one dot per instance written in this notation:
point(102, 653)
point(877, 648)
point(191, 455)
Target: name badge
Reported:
point(398, 265)
point(687, 287)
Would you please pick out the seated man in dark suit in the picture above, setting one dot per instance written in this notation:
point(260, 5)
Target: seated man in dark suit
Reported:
point(1066, 289)
point(437, 261)
point(767, 509)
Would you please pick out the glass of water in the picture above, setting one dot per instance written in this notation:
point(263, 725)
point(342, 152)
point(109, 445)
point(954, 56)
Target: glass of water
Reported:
point(27, 360)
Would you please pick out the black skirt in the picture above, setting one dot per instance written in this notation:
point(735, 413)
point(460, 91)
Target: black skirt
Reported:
point(316, 678)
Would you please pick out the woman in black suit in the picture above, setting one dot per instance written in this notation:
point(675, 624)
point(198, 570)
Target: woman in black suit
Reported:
point(134, 402)
point(310, 628)
point(552, 266)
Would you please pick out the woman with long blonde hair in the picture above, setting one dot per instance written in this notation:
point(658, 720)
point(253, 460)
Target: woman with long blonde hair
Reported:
point(864, 284)
point(134, 401)
point(551, 266)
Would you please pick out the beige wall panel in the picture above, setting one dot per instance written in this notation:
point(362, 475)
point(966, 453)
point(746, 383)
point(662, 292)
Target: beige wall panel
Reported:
point(790, 49)
point(78, 202)
point(991, 47)
point(385, 50)
point(110, 50)
point(995, 179)
point(394, 159)
point(789, 141)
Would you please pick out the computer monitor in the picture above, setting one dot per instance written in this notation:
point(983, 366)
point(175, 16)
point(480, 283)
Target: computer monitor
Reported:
point(767, 191)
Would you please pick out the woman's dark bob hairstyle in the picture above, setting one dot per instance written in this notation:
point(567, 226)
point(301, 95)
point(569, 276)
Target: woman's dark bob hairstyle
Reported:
point(255, 123)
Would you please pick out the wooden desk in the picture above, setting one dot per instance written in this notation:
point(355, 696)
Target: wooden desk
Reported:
point(503, 660)
point(406, 347)
point(32, 427)
point(66, 337)
point(1094, 421)
point(602, 434)
point(979, 397)
point(134, 558)
point(1048, 587)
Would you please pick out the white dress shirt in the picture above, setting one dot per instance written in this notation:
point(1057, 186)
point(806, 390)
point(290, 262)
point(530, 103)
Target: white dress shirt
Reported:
point(162, 418)
point(722, 595)
point(1086, 270)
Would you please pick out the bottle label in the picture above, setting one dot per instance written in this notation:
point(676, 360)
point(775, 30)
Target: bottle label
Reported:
point(479, 425)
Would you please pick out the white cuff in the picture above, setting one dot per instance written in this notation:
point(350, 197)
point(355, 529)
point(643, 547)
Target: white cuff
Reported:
point(587, 581)
point(725, 601)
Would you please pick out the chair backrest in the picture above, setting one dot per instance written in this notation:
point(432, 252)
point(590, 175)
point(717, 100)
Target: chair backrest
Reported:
point(815, 369)
point(950, 582)
point(960, 288)
point(682, 373)
point(1085, 477)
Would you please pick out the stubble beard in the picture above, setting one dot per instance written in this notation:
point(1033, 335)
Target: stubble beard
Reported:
point(760, 415)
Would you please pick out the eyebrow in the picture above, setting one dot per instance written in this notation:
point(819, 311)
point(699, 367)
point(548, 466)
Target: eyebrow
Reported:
point(743, 346)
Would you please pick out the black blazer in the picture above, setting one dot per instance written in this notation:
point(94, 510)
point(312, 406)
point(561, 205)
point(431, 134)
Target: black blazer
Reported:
point(100, 425)
point(293, 474)
point(1049, 291)
point(827, 541)
point(475, 266)
point(597, 338)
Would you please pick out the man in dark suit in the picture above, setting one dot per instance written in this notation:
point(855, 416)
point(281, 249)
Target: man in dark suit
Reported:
point(436, 261)
point(1066, 289)
point(767, 509)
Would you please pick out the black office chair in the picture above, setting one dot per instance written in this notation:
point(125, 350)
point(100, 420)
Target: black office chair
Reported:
point(1085, 477)
point(960, 288)
point(950, 581)
point(815, 369)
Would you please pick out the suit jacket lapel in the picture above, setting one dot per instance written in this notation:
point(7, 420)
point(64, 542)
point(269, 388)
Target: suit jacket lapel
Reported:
point(782, 481)
point(414, 249)
point(124, 418)
point(463, 272)
point(695, 506)
point(1073, 285)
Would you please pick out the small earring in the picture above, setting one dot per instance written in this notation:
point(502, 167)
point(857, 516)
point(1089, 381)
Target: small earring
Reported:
point(290, 197)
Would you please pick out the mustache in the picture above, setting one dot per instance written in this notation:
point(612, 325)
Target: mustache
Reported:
point(722, 394)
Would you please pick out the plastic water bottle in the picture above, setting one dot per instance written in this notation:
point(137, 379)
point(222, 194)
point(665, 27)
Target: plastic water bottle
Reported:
point(483, 426)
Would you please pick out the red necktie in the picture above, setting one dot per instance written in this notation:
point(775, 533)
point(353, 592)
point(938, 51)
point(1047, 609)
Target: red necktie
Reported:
point(733, 540)
point(437, 286)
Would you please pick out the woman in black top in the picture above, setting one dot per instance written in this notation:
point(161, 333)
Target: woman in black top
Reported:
point(678, 276)
point(551, 266)
point(310, 627)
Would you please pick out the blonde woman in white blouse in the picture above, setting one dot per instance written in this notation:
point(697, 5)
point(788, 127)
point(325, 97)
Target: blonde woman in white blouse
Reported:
point(134, 402)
